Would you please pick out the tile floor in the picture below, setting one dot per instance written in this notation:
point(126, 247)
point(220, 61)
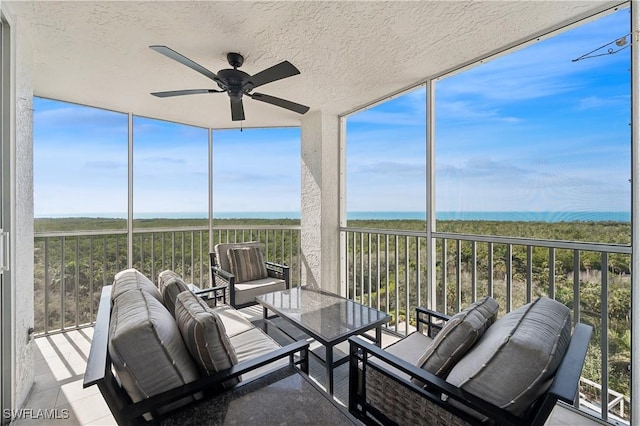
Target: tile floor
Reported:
point(59, 363)
point(57, 396)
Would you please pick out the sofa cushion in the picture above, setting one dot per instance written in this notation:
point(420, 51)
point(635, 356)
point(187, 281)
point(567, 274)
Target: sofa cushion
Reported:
point(458, 335)
point(247, 292)
point(512, 363)
point(233, 320)
point(146, 347)
point(131, 279)
point(409, 349)
point(247, 264)
point(221, 250)
point(204, 335)
point(253, 343)
point(170, 285)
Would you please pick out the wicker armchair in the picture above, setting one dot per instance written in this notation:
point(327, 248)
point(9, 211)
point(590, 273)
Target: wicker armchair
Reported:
point(241, 293)
point(383, 389)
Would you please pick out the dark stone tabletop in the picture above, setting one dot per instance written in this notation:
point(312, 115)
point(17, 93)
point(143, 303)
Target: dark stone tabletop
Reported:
point(284, 397)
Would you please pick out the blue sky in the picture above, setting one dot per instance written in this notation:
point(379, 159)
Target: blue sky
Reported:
point(529, 131)
point(80, 165)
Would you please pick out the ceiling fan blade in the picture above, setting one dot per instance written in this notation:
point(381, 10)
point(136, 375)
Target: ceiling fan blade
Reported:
point(184, 92)
point(277, 72)
point(237, 110)
point(169, 53)
point(283, 103)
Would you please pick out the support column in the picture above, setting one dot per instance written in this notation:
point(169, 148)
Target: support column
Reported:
point(130, 193)
point(320, 212)
point(635, 212)
point(210, 133)
point(431, 197)
point(21, 245)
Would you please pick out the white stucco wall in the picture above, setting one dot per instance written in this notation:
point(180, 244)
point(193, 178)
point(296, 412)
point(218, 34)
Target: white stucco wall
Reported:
point(320, 211)
point(21, 228)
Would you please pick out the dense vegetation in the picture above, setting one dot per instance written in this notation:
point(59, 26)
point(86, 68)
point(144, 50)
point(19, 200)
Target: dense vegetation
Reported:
point(599, 232)
point(87, 224)
point(384, 270)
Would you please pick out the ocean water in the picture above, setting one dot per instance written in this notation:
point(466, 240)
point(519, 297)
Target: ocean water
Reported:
point(371, 215)
point(500, 216)
point(538, 216)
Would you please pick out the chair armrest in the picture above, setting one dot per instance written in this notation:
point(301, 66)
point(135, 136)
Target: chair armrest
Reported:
point(98, 354)
point(361, 351)
point(214, 290)
point(274, 265)
point(150, 404)
point(567, 378)
point(278, 270)
point(227, 276)
point(432, 319)
point(210, 289)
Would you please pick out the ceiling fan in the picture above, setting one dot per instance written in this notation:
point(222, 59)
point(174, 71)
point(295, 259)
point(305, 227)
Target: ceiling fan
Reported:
point(235, 82)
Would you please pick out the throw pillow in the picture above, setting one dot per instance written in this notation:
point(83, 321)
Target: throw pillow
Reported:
point(458, 336)
point(170, 285)
point(164, 276)
point(204, 335)
point(247, 264)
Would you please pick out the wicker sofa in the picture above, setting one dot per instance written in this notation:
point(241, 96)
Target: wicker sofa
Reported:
point(158, 350)
point(509, 371)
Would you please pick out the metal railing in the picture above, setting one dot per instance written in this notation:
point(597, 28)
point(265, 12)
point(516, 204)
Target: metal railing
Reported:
point(387, 270)
point(70, 268)
point(617, 403)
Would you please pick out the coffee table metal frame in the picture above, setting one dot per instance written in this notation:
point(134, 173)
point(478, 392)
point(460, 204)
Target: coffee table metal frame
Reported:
point(328, 341)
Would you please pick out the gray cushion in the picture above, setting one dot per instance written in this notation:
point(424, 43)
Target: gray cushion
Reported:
point(458, 335)
point(165, 276)
point(204, 335)
point(233, 320)
point(253, 343)
point(247, 292)
point(170, 285)
point(409, 349)
point(247, 264)
point(512, 363)
point(221, 250)
point(146, 347)
point(131, 279)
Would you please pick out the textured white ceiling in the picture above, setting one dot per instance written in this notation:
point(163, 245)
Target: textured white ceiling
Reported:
point(350, 53)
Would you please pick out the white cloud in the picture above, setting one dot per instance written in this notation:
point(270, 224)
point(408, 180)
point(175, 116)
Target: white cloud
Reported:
point(105, 164)
point(540, 70)
point(598, 102)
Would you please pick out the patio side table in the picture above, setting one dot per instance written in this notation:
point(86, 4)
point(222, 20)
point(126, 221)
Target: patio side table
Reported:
point(326, 317)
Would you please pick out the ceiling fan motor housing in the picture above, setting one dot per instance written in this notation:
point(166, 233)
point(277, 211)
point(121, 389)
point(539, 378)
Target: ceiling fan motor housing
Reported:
point(234, 82)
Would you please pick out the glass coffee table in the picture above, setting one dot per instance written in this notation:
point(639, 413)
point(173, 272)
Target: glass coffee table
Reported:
point(326, 317)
